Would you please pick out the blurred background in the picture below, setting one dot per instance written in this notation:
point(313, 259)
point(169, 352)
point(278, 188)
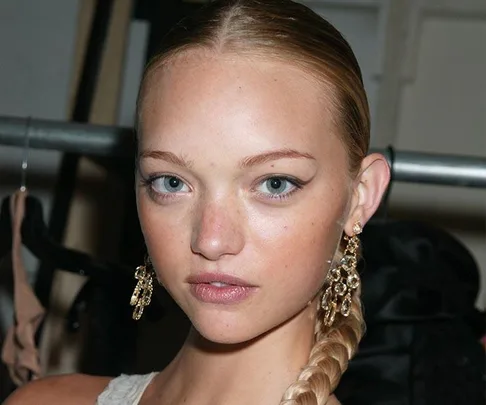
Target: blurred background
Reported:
point(65, 61)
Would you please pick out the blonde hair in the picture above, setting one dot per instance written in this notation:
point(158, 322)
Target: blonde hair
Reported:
point(292, 32)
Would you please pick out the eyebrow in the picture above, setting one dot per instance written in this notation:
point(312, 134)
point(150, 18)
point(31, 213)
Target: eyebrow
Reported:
point(167, 156)
point(274, 155)
point(246, 162)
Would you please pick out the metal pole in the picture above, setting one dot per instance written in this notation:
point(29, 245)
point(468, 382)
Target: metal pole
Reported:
point(437, 169)
point(448, 170)
point(85, 139)
point(96, 140)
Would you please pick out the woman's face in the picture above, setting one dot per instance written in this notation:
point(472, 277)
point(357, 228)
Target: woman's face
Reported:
point(241, 175)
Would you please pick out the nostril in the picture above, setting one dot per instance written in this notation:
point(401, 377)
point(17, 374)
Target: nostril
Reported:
point(217, 230)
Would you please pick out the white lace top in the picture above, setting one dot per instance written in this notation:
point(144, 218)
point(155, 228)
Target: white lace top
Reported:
point(125, 390)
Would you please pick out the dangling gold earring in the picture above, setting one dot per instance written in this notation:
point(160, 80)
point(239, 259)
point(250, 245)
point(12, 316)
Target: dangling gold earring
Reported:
point(142, 294)
point(342, 280)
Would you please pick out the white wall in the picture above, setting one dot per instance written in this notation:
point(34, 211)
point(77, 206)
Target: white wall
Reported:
point(424, 64)
point(443, 110)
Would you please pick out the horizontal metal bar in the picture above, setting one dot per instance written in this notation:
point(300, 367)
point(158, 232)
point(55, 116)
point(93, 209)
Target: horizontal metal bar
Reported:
point(438, 169)
point(85, 139)
point(96, 140)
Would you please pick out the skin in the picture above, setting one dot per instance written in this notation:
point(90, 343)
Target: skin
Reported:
point(224, 216)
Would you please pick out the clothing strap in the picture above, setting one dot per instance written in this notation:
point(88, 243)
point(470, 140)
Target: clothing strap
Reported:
point(19, 351)
point(125, 389)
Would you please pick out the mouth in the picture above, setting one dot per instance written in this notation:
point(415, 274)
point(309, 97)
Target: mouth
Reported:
point(218, 280)
point(218, 288)
point(219, 284)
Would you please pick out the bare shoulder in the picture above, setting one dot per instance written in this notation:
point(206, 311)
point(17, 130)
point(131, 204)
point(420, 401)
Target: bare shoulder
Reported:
point(78, 389)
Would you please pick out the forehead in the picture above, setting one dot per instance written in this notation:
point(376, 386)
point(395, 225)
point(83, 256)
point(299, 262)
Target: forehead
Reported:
point(226, 98)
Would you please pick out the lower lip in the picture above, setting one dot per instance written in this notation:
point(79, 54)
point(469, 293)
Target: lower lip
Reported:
point(230, 294)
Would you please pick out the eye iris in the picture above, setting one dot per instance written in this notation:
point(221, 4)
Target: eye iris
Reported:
point(172, 184)
point(276, 185)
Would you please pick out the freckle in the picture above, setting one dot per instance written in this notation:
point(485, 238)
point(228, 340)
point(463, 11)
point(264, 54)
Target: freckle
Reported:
point(312, 223)
point(273, 165)
point(285, 227)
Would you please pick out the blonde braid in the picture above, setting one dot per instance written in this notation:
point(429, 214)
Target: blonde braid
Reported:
point(328, 359)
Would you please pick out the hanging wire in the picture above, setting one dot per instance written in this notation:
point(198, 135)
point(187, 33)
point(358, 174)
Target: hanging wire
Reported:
point(25, 157)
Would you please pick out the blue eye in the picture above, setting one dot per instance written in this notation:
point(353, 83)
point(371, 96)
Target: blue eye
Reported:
point(278, 187)
point(168, 185)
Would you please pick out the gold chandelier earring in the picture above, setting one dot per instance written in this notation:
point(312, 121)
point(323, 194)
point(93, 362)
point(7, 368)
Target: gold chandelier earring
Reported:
point(342, 280)
point(142, 294)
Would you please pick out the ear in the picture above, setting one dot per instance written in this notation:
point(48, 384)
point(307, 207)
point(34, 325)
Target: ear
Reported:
point(369, 187)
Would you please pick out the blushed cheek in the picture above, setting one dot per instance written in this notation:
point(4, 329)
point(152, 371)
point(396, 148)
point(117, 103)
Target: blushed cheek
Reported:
point(147, 217)
point(317, 245)
point(164, 238)
point(299, 250)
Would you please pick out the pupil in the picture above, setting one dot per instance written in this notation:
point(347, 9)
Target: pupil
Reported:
point(173, 182)
point(275, 183)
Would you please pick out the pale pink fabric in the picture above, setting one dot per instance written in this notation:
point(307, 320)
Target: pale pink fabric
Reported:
point(19, 351)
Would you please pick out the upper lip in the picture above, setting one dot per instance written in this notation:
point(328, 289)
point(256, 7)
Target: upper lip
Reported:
point(206, 278)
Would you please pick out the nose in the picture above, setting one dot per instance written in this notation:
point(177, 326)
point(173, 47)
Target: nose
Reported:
point(218, 230)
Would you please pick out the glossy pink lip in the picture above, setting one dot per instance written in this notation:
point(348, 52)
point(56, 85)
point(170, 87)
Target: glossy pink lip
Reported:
point(206, 278)
point(233, 291)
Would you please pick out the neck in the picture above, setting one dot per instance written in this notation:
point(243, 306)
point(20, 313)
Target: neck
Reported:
point(256, 372)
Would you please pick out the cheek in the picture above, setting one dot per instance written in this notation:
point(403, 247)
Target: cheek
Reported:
point(164, 237)
point(297, 247)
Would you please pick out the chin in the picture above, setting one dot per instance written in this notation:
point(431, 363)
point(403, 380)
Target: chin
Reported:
point(225, 338)
point(224, 328)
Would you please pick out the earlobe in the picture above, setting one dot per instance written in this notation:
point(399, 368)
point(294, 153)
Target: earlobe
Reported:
point(371, 184)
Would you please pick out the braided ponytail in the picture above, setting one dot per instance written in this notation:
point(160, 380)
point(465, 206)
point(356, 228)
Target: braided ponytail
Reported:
point(329, 357)
point(333, 347)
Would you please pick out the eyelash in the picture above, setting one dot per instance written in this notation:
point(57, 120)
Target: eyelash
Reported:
point(298, 185)
point(148, 183)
